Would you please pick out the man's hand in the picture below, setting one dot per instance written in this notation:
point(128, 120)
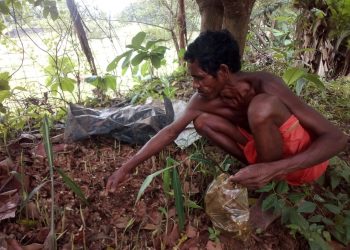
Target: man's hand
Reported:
point(118, 177)
point(256, 175)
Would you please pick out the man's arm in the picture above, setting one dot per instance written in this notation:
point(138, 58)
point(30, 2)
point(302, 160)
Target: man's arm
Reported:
point(163, 138)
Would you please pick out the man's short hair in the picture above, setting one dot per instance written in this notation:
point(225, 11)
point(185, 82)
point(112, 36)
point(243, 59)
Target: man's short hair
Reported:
point(212, 48)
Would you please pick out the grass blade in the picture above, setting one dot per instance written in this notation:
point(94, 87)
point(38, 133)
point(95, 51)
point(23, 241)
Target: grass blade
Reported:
point(72, 185)
point(148, 180)
point(179, 204)
point(51, 239)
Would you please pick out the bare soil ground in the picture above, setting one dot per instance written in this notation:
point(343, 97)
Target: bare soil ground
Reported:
point(112, 221)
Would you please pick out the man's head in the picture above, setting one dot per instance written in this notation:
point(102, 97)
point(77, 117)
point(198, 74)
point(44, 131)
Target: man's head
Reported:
point(213, 48)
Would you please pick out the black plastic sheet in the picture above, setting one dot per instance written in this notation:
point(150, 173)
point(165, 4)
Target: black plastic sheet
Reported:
point(129, 124)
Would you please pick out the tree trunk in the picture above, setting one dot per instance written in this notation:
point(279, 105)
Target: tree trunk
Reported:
point(212, 12)
point(237, 18)
point(181, 19)
point(84, 43)
point(233, 15)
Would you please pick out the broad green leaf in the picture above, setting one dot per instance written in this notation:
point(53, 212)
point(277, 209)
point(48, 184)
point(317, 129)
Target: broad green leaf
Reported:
point(179, 205)
point(138, 58)
point(282, 187)
point(298, 219)
point(299, 86)
point(314, 79)
point(316, 242)
point(4, 94)
point(138, 39)
point(315, 218)
point(147, 181)
point(90, 79)
point(72, 185)
point(267, 188)
point(126, 62)
point(291, 75)
point(335, 181)
point(111, 82)
point(269, 202)
point(327, 221)
point(307, 207)
point(145, 68)
point(67, 84)
point(332, 208)
point(149, 44)
point(296, 197)
point(285, 215)
point(156, 60)
point(116, 60)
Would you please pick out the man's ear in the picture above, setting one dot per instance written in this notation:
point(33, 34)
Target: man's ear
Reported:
point(224, 71)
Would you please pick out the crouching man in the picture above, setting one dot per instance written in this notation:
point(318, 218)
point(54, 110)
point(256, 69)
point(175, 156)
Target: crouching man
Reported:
point(253, 116)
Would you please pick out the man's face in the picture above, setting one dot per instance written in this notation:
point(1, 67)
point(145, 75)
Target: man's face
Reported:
point(206, 85)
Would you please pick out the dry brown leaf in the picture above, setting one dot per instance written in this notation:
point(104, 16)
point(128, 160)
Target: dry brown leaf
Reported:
point(191, 231)
point(34, 246)
point(172, 237)
point(213, 245)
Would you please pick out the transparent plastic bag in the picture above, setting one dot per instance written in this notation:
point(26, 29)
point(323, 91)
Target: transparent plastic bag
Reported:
point(227, 206)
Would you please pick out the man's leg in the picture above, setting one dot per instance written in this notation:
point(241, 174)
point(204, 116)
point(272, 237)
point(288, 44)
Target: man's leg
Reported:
point(222, 133)
point(266, 114)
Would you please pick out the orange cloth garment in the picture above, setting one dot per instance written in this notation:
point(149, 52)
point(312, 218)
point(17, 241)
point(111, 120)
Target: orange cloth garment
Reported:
point(296, 139)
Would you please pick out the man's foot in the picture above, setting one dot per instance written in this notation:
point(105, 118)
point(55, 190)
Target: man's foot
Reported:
point(259, 219)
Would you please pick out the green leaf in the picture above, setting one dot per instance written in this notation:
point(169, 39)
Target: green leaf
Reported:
point(192, 204)
point(138, 39)
point(147, 181)
point(138, 58)
point(178, 199)
point(20, 88)
point(269, 202)
point(145, 68)
point(335, 180)
point(327, 221)
point(116, 60)
point(314, 79)
point(316, 242)
point(299, 86)
point(67, 84)
point(198, 157)
point(282, 187)
point(298, 219)
point(156, 61)
point(267, 188)
point(315, 218)
point(307, 207)
point(291, 75)
point(111, 82)
point(4, 94)
point(149, 44)
point(296, 197)
point(126, 62)
point(72, 185)
point(3, 8)
point(53, 12)
point(285, 215)
point(91, 79)
point(47, 142)
point(166, 174)
point(332, 208)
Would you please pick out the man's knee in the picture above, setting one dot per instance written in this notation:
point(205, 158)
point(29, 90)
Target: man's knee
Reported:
point(266, 109)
